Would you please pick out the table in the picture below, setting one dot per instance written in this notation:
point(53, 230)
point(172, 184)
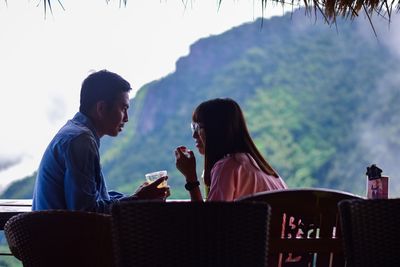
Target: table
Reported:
point(11, 207)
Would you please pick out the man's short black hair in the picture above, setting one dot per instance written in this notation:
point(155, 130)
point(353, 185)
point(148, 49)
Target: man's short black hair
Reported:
point(102, 85)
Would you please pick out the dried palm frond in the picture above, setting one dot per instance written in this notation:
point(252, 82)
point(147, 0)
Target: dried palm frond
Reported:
point(120, 2)
point(47, 4)
point(330, 9)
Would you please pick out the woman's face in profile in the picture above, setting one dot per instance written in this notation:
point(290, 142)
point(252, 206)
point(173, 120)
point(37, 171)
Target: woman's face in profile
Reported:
point(199, 136)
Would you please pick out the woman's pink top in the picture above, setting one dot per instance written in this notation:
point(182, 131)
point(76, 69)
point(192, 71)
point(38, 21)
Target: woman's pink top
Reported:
point(238, 175)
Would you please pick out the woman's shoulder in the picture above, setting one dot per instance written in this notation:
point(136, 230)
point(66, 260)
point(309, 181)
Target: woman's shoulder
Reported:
point(234, 157)
point(227, 170)
point(233, 160)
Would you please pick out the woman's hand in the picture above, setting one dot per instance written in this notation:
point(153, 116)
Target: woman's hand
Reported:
point(185, 162)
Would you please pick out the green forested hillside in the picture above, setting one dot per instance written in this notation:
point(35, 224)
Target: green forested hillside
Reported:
point(321, 103)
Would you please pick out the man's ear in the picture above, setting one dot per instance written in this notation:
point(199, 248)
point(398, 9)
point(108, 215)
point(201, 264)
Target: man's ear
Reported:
point(101, 107)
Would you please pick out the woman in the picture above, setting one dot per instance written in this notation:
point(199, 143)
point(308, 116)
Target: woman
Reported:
point(233, 166)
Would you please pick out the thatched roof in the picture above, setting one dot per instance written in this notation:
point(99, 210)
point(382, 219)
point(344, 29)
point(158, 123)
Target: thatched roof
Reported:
point(330, 9)
point(351, 8)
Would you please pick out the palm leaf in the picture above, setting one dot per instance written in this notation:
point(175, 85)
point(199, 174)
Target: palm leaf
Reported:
point(330, 9)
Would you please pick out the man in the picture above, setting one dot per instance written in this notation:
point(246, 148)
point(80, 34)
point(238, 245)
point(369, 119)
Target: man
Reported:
point(69, 175)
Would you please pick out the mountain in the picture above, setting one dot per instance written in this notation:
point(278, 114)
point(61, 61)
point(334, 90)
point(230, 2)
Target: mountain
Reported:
point(321, 102)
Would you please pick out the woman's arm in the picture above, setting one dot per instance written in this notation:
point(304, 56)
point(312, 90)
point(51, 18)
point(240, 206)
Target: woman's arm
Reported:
point(187, 166)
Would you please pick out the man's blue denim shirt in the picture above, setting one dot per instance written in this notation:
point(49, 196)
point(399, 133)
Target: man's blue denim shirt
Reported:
point(69, 176)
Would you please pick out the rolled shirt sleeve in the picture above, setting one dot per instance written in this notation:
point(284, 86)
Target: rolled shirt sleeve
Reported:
point(224, 177)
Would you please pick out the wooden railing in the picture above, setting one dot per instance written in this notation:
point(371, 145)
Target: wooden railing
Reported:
point(9, 208)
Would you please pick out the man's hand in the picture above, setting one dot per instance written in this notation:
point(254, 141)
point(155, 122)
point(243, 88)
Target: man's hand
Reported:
point(151, 191)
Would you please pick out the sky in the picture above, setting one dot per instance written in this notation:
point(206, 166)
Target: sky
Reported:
point(45, 57)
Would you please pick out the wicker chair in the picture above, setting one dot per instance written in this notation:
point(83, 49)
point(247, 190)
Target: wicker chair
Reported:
point(190, 234)
point(304, 226)
point(60, 238)
point(371, 232)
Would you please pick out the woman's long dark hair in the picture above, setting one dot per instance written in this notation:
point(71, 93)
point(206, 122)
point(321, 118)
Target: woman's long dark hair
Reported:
point(226, 133)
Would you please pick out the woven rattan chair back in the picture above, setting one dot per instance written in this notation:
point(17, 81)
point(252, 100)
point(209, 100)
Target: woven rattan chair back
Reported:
point(60, 238)
point(190, 234)
point(304, 228)
point(371, 232)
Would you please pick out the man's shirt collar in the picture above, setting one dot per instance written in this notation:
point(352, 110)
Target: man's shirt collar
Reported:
point(84, 120)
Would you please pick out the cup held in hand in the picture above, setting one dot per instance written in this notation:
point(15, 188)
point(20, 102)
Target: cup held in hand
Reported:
point(151, 177)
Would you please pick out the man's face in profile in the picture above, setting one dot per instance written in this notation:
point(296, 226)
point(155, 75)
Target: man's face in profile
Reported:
point(116, 115)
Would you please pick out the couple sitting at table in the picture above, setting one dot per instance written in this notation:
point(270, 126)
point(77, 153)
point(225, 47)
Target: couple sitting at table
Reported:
point(70, 176)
